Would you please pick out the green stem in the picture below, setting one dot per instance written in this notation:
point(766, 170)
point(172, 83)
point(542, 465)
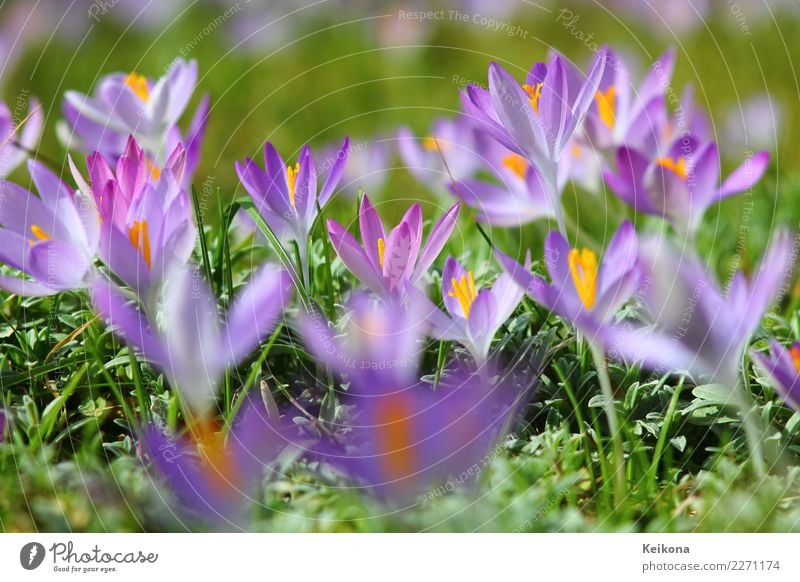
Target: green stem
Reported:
point(652, 473)
point(754, 431)
point(618, 467)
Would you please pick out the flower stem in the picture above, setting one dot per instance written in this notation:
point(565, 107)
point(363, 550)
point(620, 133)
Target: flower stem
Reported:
point(753, 430)
point(618, 465)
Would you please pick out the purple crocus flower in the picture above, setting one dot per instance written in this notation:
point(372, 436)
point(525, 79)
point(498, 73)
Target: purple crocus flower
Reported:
point(191, 347)
point(52, 238)
point(520, 197)
point(783, 369)
point(367, 165)
point(412, 443)
point(131, 104)
point(456, 140)
point(148, 229)
point(386, 263)
point(536, 119)
point(473, 316)
point(214, 479)
point(286, 196)
point(381, 343)
point(699, 328)
point(585, 291)
point(12, 156)
point(622, 114)
point(681, 185)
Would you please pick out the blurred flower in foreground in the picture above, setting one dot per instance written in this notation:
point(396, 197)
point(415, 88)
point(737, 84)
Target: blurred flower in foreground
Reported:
point(783, 369)
point(681, 185)
point(286, 195)
point(699, 328)
point(191, 347)
point(148, 229)
point(26, 133)
point(214, 476)
point(53, 238)
point(386, 263)
point(381, 345)
point(584, 290)
point(474, 315)
point(456, 142)
point(410, 443)
point(536, 119)
point(131, 104)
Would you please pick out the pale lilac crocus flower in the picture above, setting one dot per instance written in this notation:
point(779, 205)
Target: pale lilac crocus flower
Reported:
point(387, 262)
point(131, 104)
point(698, 327)
point(191, 346)
point(147, 231)
point(473, 315)
point(286, 195)
point(535, 119)
point(584, 290)
point(16, 140)
point(450, 151)
point(53, 238)
point(782, 367)
point(588, 292)
point(682, 184)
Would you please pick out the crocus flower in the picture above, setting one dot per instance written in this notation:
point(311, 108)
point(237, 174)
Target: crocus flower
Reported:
point(622, 114)
point(697, 327)
point(213, 478)
point(473, 316)
point(454, 142)
point(148, 229)
point(681, 185)
point(380, 345)
point(27, 135)
point(583, 289)
point(783, 369)
point(192, 348)
point(754, 123)
point(412, 442)
point(520, 197)
point(286, 195)
point(131, 104)
point(386, 263)
point(52, 238)
point(535, 119)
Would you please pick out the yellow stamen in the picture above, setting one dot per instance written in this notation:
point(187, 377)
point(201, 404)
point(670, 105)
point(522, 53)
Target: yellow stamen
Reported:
point(155, 171)
point(677, 167)
point(534, 93)
point(606, 106)
point(381, 251)
point(140, 239)
point(432, 144)
point(291, 178)
point(138, 85)
point(517, 164)
point(216, 459)
point(39, 233)
point(464, 291)
point(583, 267)
point(794, 351)
point(576, 151)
